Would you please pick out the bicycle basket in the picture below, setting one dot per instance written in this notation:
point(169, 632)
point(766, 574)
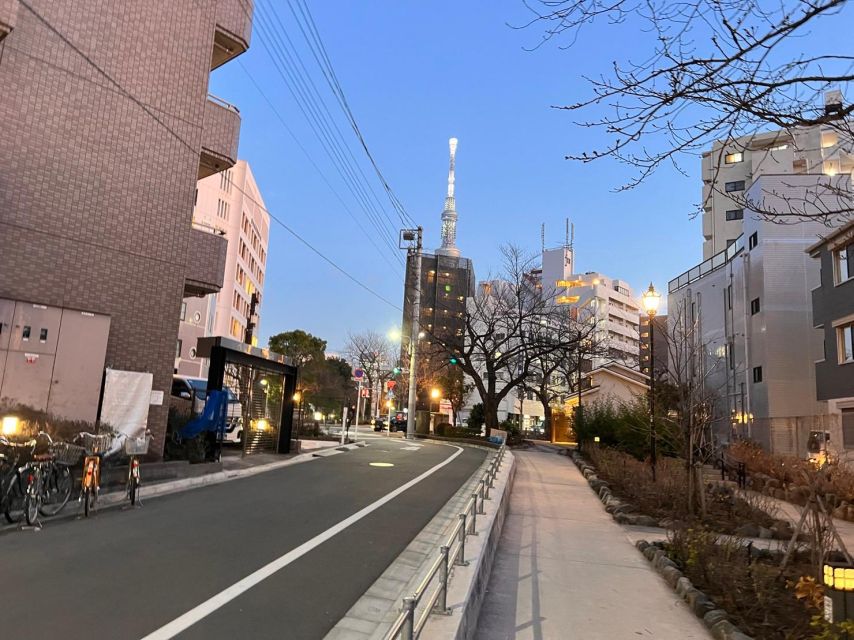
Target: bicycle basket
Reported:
point(66, 453)
point(137, 446)
point(95, 444)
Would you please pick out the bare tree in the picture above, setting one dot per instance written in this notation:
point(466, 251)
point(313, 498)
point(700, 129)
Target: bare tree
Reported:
point(695, 388)
point(375, 355)
point(712, 70)
point(508, 326)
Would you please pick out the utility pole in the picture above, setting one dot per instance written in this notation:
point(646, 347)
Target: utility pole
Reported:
point(413, 235)
point(251, 321)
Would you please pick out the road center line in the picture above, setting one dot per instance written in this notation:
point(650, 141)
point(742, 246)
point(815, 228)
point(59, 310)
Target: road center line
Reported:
point(183, 622)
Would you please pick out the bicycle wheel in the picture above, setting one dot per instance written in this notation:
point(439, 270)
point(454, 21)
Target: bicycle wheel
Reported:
point(32, 497)
point(57, 490)
point(13, 500)
point(133, 489)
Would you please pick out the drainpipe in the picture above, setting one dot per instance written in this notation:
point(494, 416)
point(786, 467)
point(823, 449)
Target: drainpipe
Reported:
point(747, 370)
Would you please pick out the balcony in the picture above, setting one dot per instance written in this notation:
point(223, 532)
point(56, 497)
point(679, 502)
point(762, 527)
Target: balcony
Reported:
point(8, 17)
point(708, 225)
point(220, 137)
point(205, 261)
point(233, 30)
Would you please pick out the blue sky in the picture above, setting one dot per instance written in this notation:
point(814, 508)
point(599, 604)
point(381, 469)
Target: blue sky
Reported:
point(415, 74)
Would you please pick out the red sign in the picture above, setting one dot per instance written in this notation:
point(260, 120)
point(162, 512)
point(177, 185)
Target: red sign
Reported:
point(390, 384)
point(366, 393)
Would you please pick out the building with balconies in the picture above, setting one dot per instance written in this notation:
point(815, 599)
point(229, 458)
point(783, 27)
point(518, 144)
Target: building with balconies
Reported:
point(730, 167)
point(833, 318)
point(229, 205)
point(107, 128)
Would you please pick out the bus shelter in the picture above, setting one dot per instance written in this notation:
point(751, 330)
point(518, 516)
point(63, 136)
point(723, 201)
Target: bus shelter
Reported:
point(262, 383)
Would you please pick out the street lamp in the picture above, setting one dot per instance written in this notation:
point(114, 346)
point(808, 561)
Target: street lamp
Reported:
point(395, 335)
point(651, 299)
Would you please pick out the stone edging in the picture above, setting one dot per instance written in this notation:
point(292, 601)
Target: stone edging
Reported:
point(621, 511)
point(715, 619)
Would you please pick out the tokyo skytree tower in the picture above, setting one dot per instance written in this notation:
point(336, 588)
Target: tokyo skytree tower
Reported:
point(449, 215)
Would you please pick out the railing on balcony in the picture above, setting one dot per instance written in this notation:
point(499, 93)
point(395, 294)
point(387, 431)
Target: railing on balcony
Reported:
point(706, 267)
point(220, 137)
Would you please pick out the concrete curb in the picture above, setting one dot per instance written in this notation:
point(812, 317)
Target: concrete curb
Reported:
point(116, 499)
point(468, 583)
point(716, 620)
point(621, 512)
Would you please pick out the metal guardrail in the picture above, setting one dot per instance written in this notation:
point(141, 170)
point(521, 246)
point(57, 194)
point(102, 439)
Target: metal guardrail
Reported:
point(707, 266)
point(413, 615)
point(222, 103)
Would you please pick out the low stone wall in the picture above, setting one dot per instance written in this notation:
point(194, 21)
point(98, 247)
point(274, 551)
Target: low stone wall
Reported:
point(715, 619)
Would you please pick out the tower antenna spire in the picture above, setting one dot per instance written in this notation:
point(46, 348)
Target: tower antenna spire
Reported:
point(449, 215)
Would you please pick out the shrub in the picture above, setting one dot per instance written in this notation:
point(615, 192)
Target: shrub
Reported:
point(441, 428)
point(625, 427)
point(476, 418)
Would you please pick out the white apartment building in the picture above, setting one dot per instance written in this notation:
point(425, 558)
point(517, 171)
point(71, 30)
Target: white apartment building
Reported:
point(613, 306)
point(747, 311)
point(230, 204)
point(730, 168)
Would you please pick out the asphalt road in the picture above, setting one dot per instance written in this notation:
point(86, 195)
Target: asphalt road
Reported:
point(128, 574)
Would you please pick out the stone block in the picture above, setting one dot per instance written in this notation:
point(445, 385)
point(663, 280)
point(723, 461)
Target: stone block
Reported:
point(714, 616)
point(683, 585)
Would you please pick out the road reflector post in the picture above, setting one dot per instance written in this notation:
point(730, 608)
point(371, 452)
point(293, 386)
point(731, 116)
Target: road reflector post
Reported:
point(839, 591)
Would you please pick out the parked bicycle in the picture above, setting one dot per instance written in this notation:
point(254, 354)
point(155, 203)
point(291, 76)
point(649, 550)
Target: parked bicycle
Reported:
point(135, 447)
point(13, 459)
point(95, 447)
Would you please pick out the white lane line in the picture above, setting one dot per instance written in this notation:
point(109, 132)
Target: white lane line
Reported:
point(183, 622)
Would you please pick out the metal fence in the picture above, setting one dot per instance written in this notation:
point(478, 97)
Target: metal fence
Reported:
point(431, 595)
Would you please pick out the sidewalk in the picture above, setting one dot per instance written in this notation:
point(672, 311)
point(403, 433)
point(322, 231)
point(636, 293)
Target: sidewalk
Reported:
point(565, 569)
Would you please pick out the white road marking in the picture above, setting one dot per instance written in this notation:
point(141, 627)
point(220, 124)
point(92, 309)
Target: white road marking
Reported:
point(410, 448)
point(185, 621)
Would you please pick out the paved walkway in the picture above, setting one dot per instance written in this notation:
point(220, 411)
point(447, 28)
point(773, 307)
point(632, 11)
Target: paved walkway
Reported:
point(565, 569)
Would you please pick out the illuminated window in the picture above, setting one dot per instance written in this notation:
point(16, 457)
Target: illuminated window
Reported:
point(733, 158)
point(828, 139)
point(567, 299)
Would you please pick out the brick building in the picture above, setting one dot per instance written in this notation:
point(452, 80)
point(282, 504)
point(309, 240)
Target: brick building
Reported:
point(106, 129)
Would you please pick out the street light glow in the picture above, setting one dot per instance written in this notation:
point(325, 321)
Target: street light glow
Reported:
point(395, 335)
point(435, 393)
point(10, 425)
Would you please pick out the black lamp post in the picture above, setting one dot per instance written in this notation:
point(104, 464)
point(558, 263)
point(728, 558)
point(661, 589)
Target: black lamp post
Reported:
point(651, 300)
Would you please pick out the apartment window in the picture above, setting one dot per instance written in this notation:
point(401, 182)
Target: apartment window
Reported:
point(43, 335)
point(848, 428)
point(183, 311)
point(736, 185)
point(731, 355)
point(754, 306)
point(735, 214)
point(845, 338)
point(178, 348)
point(753, 240)
point(222, 209)
point(733, 158)
point(196, 198)
point(225, 181)
point(25, 334)
point(757, 374)
point(730, 242)
point(843, 263)
point(729, 296)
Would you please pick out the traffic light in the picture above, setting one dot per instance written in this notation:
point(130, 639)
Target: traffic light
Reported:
point(396, 371)
point(453, 360)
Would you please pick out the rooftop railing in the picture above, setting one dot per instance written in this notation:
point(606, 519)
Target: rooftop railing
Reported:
point(706, 267)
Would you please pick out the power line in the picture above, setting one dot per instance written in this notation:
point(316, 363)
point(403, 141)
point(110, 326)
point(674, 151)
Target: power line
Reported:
point(332, 79)
point(313, 110)
point(317, 168)
point(194, 151)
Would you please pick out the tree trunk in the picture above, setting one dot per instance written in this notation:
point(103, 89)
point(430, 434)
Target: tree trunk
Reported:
point(547, 421)
point(490, 415)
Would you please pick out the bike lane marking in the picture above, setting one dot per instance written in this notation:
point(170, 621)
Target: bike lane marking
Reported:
point(201, 611)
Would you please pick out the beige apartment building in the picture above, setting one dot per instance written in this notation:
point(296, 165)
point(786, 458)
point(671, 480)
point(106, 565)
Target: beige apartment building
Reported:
point(729, 169)
point(230, 205)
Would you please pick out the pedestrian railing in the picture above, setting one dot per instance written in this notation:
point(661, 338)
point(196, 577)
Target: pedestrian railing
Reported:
point(431, 595)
